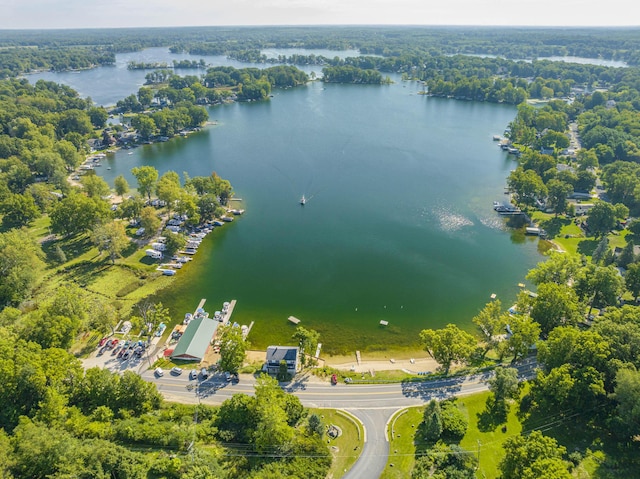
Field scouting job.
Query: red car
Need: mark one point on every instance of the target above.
(334, 379)
(102, 341)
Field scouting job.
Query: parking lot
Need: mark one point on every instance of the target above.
(127, 354)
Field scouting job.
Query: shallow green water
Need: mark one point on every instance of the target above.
(398, 226)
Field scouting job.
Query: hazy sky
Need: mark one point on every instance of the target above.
(144, 13)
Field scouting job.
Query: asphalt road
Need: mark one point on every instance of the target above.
(372, 404)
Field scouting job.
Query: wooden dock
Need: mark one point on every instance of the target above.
(318, 350)
(293, 319)
(244, 336)
(227, 315)
(383, 322)
(200, 305)
(358, 357)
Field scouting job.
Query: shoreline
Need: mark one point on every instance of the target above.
(412, 361)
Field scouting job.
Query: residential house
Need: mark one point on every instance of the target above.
(275, 354)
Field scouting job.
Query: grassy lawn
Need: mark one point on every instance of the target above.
(402, 444)
(347, 447)
(565, 233)
(485, 431)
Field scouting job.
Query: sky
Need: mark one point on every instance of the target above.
(38, 14)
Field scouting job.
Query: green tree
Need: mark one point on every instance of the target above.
(74, 121)
(77, 213)
(555, 305)
(308, 341)
(121, 185)
(174, 242)
(627, 256)
(131, 208)
(145, 96)
(149, 221)
(98, 116)
(315, 425)
(627, 395)
(504, 384)
(50, 331)
(432, 421)
(187, 206)
(524, 334)
(551, 468)
(599, 285)
(232, 348)
(527, 186)
(273, 432)
(168, 189)
(557, 195)
(603, 217)
(236, 419)
(18, 210)
(146, 176)
(559, 268)
(454, 421)
(632, 280)
(95, 186)
(448, 344)
(110, 238)
(209, 207)
(522, 452)
(444, 461)
(491, 321)
(20, 266)
(601, 252)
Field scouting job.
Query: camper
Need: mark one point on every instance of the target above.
(154, 254)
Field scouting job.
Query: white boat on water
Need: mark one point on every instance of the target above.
(303, 200)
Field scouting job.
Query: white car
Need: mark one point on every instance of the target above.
(159, 372)
(176, 371)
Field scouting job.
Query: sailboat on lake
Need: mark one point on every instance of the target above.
(303, 200)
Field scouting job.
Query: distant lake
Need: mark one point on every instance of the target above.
(567, 59)
(107, 85)
(398, 226)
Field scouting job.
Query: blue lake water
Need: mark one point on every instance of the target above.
(398, 226)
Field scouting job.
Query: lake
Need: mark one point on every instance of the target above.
(398, 225)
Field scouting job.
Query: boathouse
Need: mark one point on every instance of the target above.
(275, 354)
(195, 340)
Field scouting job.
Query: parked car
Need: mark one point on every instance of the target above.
(334, 379)
(193, 374)
(235, 378)
(227, 375)
(348, 380)
(102, 341)
(176, 371)
(204, 374)
(159, 372)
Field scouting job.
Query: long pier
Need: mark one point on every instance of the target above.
(227, 315)
(200, 305)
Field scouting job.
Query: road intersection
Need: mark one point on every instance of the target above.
(372, 404)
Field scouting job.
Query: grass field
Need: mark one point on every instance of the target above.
(347, 447)
(484, 437)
